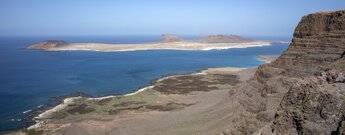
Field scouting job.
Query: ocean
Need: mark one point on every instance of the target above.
(30, 79)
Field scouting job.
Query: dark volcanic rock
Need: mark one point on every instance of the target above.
(225, 39)
(318, 41)
(308, 108)
(48, 44)
(303, 91)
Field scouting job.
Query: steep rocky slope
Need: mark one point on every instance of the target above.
(303, 91)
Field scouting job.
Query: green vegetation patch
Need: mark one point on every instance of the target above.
(104, 101)
(80, 109)
(148, 100)
(84, 108)
(168, 107)
(224, 79)
(185, 84)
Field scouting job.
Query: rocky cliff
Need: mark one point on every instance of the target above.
(303, 91)
(315, 104)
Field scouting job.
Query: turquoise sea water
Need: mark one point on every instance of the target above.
(32, 78)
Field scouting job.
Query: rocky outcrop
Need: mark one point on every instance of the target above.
(225, 39)
(303, 91)
(48, 44)
(168, 38)
(311, 108)
(318, 41)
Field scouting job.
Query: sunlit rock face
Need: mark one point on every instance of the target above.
(319, 40)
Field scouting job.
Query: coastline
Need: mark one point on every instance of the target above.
(267, 58)
(183, 46)
(39, 119)
(159, 105)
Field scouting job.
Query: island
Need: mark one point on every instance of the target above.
(169, 42)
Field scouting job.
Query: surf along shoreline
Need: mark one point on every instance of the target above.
(37, 116)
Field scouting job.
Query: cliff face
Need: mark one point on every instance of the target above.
(315, 104)
(303, 91)
(318, 41)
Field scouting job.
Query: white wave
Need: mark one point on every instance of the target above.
(27, 111)
(39, 106)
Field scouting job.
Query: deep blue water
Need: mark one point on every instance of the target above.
(29, 78)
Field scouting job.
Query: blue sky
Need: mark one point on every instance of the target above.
(155, 17)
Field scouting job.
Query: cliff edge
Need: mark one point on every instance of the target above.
(302, 91)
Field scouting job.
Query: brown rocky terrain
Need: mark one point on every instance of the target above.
(48, 44)
(303, 91)
(225, 39)
(167, 38)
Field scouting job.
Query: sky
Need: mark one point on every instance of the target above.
(155, 17)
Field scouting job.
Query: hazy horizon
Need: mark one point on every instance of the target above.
(153, 17)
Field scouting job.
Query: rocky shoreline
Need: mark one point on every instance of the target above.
(68, 100)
